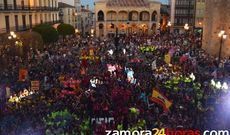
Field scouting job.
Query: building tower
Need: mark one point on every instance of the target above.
(77, 4)
(172, 11)
(217, 19)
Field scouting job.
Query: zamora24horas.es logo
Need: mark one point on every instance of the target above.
(164, 131)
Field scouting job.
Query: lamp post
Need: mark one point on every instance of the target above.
(217, 84)
(186, 27)
(222, 37)
(169, 27)
(116, 42)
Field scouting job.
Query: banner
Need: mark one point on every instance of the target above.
(167, 58)
(61, 78)
(100, 120)
(70, 84)
(35, 85)
(160, 99)
(91, 52)
(23, 73)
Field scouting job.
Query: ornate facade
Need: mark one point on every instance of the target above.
(20, 15)
(128, 16)
(217, 18)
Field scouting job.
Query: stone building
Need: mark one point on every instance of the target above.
(217, 18)
(86, 21)
(200, 10)
(128, 16)
(182, 12)
(77, 5)
(20, 15)
(67, 14)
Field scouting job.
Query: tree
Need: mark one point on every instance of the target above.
(48, 33)
(65, 29)
(29, 40)
(32, 40)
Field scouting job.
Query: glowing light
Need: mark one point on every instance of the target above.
(213, 83)
(225, 86)
(92, 31)
(76, 30)
(192, 76)
(12, 33)
(222, 34)
(169, 24)
(186, 27)
(9, 37)
(110, 52)
(124, 51)
(14, 36)
(218, 85)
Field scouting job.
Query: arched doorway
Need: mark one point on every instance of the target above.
(133, 16)
(111, 16)
(144, 16)
(101, 30)
(123, 16)
(100, 16)
(154, 16)
(111, 30)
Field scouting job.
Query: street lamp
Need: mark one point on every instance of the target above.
(192, 76)
(169, 26)
(12, 35)
(218, 85)
(222, 37)
(186, 27)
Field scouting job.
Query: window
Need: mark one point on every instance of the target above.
(154, 16)
(16, 22)
(100, 16)
(7, 22)
(30, 19)
(24, 22)
(15, 4)
(5, 4)
(22, 4)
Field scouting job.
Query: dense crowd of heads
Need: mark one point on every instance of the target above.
(114, 95)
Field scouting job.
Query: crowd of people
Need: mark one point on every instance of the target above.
(96, 78)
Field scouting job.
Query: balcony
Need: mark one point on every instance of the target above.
(111, 20)
(11, 8)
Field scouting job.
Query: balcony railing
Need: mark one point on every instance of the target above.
(11, 7)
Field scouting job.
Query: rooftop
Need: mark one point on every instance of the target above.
(126, 3)
(64, 5)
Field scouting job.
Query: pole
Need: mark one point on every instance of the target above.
(220, 50)
(116, 42)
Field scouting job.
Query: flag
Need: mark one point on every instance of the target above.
(23, 73)
(160, 99)
(167, 58)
